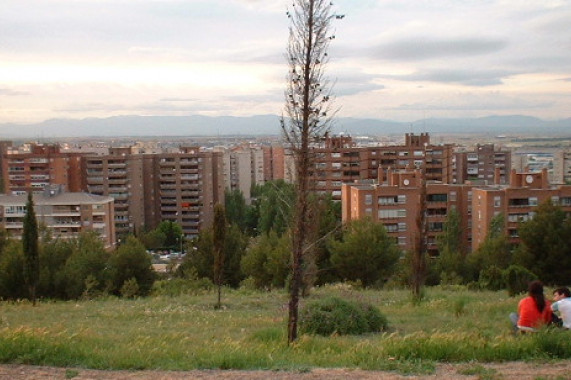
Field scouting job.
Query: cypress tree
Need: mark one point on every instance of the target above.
(30, 248)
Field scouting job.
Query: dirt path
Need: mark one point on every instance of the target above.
(503, 371)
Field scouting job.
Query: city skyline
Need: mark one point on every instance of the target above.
(399, 60)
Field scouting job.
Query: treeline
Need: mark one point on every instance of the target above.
(256, 253)
(76, 268)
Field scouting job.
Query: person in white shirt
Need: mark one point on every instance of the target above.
(562, 305)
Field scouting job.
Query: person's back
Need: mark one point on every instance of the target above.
(534, 310)
(562, 296)
(530, 316)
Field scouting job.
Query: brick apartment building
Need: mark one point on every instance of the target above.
(517, 202)
(40, 166)
(395, 203)
(148, 188)
(479, 164)
(338, 160)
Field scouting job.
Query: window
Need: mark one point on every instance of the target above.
(392, 227)
(418, 153)
(387, 214)
(369, 211)
(401, 199)
(435, 226)
(335, 155)
(368, 199)
(533, 201)
(555, 200)
(402, 227)
(497, 201)
(453, 196)
(437, 197)
(401, 240)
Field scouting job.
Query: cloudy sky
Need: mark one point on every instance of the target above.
(402, 60)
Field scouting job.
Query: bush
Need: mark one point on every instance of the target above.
(130, 288)
(179, 286)
(492, 278)
(517, 279)
(334, 315)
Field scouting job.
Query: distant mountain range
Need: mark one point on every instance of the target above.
(269, 125)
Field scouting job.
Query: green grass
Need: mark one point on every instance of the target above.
(249, 332)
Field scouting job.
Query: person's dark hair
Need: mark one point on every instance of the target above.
(536, 292)
(563, 290)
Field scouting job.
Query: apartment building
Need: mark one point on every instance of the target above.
(562, 167)
(396, 204)
(479, 164)
(517, 202)
(65, 214)
(339, 160)
(181, 186)
(38, 166)
(184, 187)
(119, 174)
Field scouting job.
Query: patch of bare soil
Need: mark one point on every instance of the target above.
(503, 371)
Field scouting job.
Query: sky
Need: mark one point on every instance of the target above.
(401, 60)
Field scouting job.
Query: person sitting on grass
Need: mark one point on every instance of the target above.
(534, 311)
(562, 305)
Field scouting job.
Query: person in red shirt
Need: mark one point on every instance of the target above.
(534, 310)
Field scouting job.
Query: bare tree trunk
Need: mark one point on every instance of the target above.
(419, 254)
(307, 107)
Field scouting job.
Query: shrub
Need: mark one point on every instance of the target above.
(179, 286)
(517, 279)
(130, 288)
(492, 278)
(334, 315)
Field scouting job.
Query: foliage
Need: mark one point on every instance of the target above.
(131, 261)
(451, 259)
(517, 279)
(334, 315)
(236, 208)
(130, 288)
(30, 249)
(53, 257)
(154, 239)
(365, 253)
(175, 287)
(546, 244)
(12, 271)
(266, 261)
(492, 278)
(495, 251)
(275, 200)
(88, 258)
(200, 258)
(172, 232)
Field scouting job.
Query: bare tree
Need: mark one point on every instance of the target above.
(307, 118)
(419, 253)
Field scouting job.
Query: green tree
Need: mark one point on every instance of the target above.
(235, 245)
(199, 259)
(154, 239)
(131, 261)
(365, 253)
(545, 247)
(31, 249)
(54, 254)
(12, 283)
(451, 259)
(267, 260)
(494, 252)
(274, 200)
(219, 237)
(88, 260)
(172, 232)
(236, 208)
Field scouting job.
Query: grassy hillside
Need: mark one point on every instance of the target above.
(185, 332)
